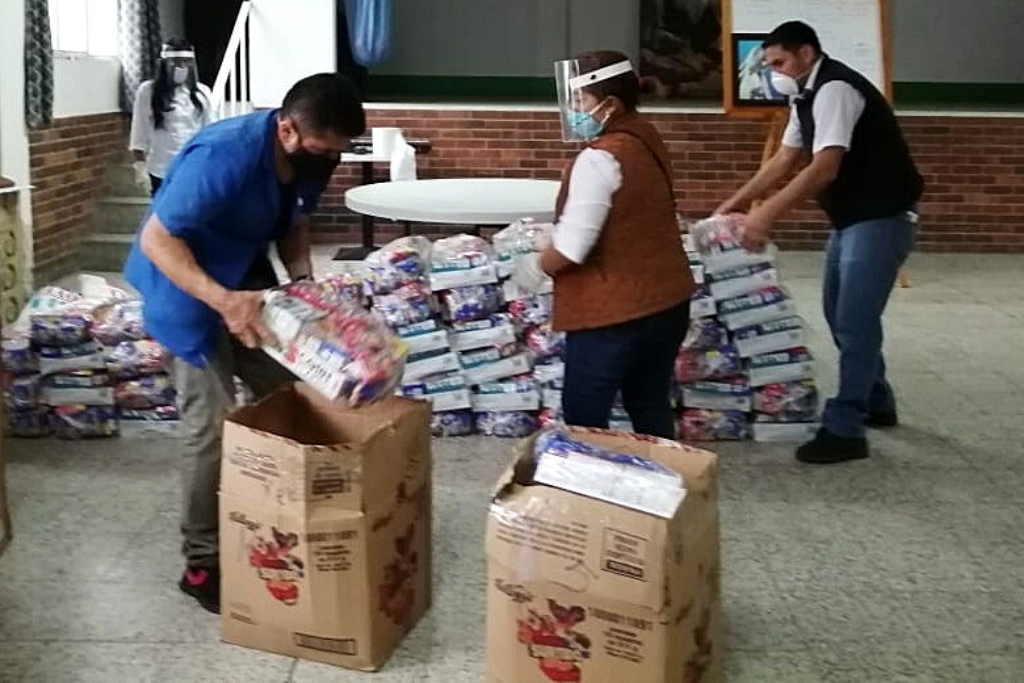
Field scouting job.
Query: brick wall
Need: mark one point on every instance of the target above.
(68, 164)
(974, 168)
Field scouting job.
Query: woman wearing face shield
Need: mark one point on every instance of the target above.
(168, 112)
(622, 282)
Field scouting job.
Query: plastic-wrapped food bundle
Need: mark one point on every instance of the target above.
(460, 252)
(80, 379)
(507, 424)
(545, 343)
(694, 365)
(409, 304)
(730, 394)
(44, 300)
(718, 233)
(401, 262)
(550, 417)
(343, 288)
(452, 423)
(532, 310)
(83, 422)
(522, 237)
(151, 391)
(21, 392)
(704, 334)
(620, 478)
(68, 326)
(788, 402)
(18, 356)
(86, 356)
(471, 302)
(714, 425)
(136, 358)
(28, 422)
(118, 322)
(340, 350)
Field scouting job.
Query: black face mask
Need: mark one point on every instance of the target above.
(315, 167)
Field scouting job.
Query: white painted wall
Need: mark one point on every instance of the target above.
(290, 40)
(14, 154)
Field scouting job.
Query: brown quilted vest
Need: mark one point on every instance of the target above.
(638, 266)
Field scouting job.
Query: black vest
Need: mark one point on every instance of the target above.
(877, 178)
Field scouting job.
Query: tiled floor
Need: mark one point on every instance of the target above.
(909, 566)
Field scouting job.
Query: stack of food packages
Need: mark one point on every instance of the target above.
(76, 363)
(744, 369)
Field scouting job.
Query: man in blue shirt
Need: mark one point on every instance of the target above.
(235, 188)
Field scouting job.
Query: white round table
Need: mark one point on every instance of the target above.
(457, 201)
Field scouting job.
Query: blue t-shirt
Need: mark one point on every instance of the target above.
(223, 197)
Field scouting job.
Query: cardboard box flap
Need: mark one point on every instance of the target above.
(296, 446)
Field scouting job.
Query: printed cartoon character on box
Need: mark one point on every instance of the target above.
(276, 566)
(551, 639)
(397, 592)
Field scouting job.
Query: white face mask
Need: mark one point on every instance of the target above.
(180, 75)
(785, 85)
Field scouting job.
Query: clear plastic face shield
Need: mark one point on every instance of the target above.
(580, 121)
(180, 64)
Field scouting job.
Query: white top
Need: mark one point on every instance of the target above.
(457, 201)
(180, 124)
(596, 177)
(837, 108)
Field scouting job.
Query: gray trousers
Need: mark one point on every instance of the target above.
(205, 396)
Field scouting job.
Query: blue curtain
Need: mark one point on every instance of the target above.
(369, 30)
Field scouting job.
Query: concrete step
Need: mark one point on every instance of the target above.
(105, 252)
(121, 181)
(120, 214)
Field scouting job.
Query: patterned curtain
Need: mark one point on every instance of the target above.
(138, 36)
(38, 64)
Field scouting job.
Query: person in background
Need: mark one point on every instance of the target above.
(864, 178)
(168, 111)
(236, 187)
(622, 281)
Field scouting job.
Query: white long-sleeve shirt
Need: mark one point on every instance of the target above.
(596, 177)
(160, 145)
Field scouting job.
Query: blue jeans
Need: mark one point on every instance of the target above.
(636, 358)
(860, 271)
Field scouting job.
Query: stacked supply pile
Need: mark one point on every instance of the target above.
(713, 389)
(766, 336)
(24, 414)
(76, 387)
(505, 396)
(139, 369)
(531, 314)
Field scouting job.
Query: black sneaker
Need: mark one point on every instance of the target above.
(827, 448)
(203, 584)
(881, 420)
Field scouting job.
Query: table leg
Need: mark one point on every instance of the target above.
(361, 252)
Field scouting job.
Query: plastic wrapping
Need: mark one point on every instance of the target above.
(545, 343)
(21, 392)
(18, 356)
(135, 358)
(168, 413)
(717, 234)
(788, 402)
(84, 422)
(408, 305)
(69, 326)
(118, 322)
(507, 424)
(532, 310)
(151, 391)
(343, 288)
(28, 422)
(398, 263)
(714, 425)
(694, 365)
(461, 252)
(81, 379)
(550, 417)
(705, 334)
(87, 356)
(341, 351)
(474, 302)
(452, 423)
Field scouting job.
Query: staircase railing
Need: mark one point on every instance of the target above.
(231, 91)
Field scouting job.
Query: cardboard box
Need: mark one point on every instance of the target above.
(584, 590)
(325, 526)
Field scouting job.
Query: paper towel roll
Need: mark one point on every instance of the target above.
(384, 141)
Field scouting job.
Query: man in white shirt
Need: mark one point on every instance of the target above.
(864, 179)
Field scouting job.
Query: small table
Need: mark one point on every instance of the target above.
(457, 201)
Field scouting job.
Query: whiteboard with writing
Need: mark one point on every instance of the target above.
(849, 30)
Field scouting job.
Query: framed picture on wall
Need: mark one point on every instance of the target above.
(752, 79)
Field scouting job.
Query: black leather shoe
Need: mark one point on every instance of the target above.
(827, 448)
(881, 420)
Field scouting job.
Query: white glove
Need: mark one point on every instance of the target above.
(527, 273)
(142, 176)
